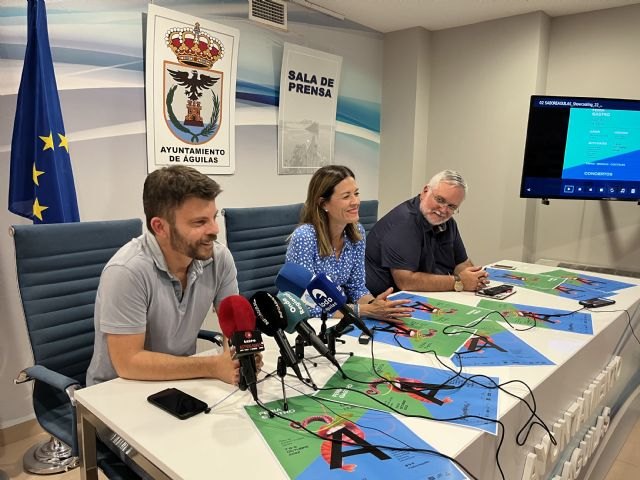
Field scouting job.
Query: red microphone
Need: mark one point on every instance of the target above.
(238, 324)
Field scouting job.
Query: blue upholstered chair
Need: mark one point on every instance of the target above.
(257, 239)
(58, 268)
(368, 214)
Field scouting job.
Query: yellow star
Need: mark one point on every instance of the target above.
(48, 142)
(63, 142)
(38, 209)
(36, 174)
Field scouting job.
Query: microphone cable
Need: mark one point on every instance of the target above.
(534, 418)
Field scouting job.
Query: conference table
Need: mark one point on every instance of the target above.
(226, 444)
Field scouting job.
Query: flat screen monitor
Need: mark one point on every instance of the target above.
(582, 148)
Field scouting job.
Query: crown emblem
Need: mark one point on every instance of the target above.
(193, 47)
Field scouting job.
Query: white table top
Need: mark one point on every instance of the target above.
(223, 441)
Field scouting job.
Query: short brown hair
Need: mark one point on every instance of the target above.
(166, 189)
(321, 187)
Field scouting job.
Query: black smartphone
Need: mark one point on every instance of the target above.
(177, 403)
(596, 302)
(499, 292)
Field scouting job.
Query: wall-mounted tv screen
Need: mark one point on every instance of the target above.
(582, 148)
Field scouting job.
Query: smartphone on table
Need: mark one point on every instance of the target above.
(596, 302)
(498, 292)
(177, 403)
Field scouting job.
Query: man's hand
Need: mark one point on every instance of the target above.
(228, 368)
(473, 278)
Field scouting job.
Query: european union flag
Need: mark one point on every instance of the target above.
(41, 180)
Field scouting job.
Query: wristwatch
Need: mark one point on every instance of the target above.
(457, 284)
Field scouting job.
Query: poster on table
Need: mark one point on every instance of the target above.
(432, 327)
(541, 317)
(496, 346)
(590, 281)
(346, 442)
(190, 88)
(417, 390)
(309, 85)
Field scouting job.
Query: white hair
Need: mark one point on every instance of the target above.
(448, 176)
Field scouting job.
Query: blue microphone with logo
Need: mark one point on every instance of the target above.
(327, 296)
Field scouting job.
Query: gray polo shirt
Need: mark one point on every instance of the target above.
(137, 294)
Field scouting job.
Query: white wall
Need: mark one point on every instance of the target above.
(404, 118)
(593, 54)
(480, 78)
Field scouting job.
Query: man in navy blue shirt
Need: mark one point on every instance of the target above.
(417, 245)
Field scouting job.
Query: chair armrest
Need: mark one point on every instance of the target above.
(215, 337)
(43, 374)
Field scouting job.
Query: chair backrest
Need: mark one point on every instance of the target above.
(58, 268)
(257, 239)
(368, 214)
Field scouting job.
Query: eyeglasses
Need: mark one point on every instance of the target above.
(443, 203)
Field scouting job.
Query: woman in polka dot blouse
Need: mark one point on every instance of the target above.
(330, 240)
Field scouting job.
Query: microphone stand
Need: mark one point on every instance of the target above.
(282, 372)
(326, 337)
(299, 350)
(329, 336)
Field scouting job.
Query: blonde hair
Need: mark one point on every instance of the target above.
(321, 187)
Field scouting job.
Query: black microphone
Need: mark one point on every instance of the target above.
(271, 320)
(297, 315)
(327, 296)
(238, 323)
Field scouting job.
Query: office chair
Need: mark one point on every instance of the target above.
(368, 214)
(257, 239)
(58, 268)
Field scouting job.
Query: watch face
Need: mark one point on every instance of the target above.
(458, 286)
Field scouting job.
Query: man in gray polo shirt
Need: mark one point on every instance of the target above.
(156, 290)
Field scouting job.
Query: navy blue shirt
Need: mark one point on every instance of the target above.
(403, 239)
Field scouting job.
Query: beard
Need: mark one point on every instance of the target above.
(433, 216)
(199, 250)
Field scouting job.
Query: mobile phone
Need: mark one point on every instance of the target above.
(596, 302)
(503, 266)
(499, 291)
(177, 403)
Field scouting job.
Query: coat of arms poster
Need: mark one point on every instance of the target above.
(190, 92)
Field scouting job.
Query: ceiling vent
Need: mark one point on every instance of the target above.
(269, 12)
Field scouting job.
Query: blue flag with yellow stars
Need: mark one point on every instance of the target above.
(41, 180)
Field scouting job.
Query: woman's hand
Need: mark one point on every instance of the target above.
(383, 309)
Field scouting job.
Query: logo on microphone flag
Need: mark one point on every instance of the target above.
(41, 185)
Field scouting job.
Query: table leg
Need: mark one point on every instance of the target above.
(87, 442)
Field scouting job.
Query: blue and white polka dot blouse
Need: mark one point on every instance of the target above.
(347, 271)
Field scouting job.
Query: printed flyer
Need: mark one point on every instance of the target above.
(415, 390)
(349, 443)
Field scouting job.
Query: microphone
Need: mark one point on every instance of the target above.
(271, 320)
(297, 279)
(293, 278)
(238, 323)
(297, 315)
(327, 296)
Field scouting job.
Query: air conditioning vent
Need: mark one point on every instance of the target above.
(269, 12)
